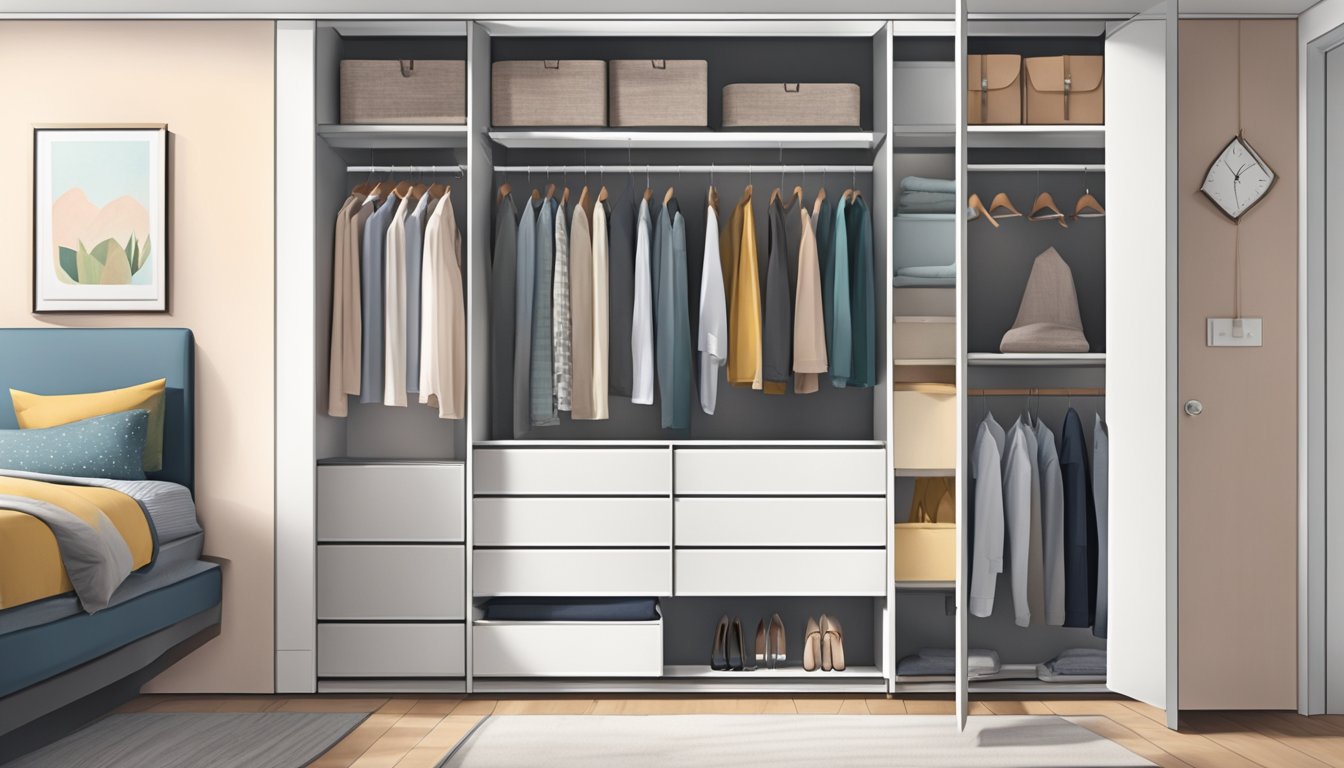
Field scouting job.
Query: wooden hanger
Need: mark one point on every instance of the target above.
(1046, 202)
(1001, 200)
(437, 190)
(712, 198)
(418, 189)
(380, 190)
(602, 195)
(564, 197)
(648, 194)
(667, 198)
(978, 207)
(774, 195)
(583, 200)
(536, 195)
(362, 189)
(402, 189)
(846, 194)
(504, 190)
(1085, 203)
(798, 193)
(746, 193)
(550, 191)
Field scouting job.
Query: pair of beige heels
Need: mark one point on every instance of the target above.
(824, 645)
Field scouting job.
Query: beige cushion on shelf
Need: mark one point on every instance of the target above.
(1048, 319)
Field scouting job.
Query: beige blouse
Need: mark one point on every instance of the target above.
(581, 311)
(343, 365)
(443, 319)
(809, 328)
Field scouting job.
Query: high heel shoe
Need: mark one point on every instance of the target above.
(770, 652)
(812, 645)
(737, 648)
(718, 655)
(832, 645)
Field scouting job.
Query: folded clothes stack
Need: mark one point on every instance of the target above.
(1086, 662)
(925, 277)
(942, 662)
(921, 195)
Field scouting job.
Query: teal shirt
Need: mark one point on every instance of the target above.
(862, 312)
(839, 336)
(672, 319)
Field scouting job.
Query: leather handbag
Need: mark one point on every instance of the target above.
(1065, 90)
(994, 89)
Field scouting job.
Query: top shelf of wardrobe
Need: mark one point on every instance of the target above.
(394, 136)
(944, 136)
(618, 139)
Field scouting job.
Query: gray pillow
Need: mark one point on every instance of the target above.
(110, 447)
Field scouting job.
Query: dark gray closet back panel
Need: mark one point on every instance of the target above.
(731, 60)
(1038, 46)
(741, 413)
(924, 49)
(1000, 260)
(404, 48)
(922, 621)
(689, 623)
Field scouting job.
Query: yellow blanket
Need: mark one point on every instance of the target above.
(30, 562)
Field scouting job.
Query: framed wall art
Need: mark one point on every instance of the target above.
(100, 218)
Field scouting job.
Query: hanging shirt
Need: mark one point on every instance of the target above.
(777, 326)
(561, 339)
(1101, 487)
(415, 251)
(371, 297)
(744, 318)
(672, 321)
(623, 223)
(712, 340)
(343, 363)
(394, 306)
(581, 307)
(601, 309)
(862, 306)
(641, 325)
(987, 560)
(503, 270)
(1052, 524)
(443, 338)
(809, 329)
(839, 336)
(541, 365)
(526, 256)
(1021, 503)
(1035, 549)
(1080, 527)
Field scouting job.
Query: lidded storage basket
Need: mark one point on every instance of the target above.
(659, 92)
(406, 91)
(791, 105)
(548, 93)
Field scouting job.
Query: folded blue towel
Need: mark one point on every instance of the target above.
(942, 270)
(921, 184)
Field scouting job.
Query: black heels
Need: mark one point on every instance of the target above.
(770, 650)
(729, 653)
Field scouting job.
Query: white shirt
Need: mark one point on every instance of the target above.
(713, 341)
(394, 307)
(641, 326)
(443, 348)
(987, 560)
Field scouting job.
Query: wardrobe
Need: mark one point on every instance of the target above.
(398, 527)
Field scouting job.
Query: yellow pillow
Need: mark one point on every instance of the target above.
(41, 411)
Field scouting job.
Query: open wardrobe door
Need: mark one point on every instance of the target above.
(962, 638)
(1141, 359)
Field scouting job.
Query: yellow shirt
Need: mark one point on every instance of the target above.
(744, 312)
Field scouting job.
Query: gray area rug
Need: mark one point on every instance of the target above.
(197, 740)
(786, 741)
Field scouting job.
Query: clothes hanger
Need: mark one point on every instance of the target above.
(977, 206)
(667, 198)
(550, 191)
(1088, 202)
(504, 189)
(602, 195)
(648, 184)
(564, 197)
(439, 189)
(1002, 200)
(1046, 202)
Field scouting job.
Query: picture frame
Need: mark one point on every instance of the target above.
(100, 218)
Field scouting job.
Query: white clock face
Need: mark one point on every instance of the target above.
(1238, 179)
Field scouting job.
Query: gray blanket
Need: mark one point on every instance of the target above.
(96, 558)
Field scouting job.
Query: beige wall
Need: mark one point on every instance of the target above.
(1238, 470)
(213, 84)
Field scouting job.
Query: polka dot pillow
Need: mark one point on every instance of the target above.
(109, 447)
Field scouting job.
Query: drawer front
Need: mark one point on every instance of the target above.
(924, 430)
(391, 650)
(569, 522)
(390, 582)
(782, 472)
(814, 522)
(924, 340)
(556, 649)
(573, 471)
(924, 301)
(573, 572)
(791, 572)
(391, 502)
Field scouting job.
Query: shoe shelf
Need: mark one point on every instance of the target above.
(698, 671)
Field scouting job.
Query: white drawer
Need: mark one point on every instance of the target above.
(570, 521)
(573, 471)
(924, 428)
(567, 649)
(391, 502)
(815, 522)
(390, 582)
(391, 650)
(781, 472)
(781, 572)
(924, 301)
(573, 572)
(924, 338)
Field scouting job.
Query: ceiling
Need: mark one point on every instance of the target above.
(1236, 7)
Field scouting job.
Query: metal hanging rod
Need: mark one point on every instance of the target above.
(1033, 168)
(1039, 392)
(405, 169)
(619, 169)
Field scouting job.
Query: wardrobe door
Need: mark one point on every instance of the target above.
(1140, 370)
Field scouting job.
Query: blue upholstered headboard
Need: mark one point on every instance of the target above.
(66, 361)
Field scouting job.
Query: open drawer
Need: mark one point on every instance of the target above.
(567, 649)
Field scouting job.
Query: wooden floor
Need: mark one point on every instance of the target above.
(418, 732)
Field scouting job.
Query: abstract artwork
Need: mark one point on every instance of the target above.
(100, 219)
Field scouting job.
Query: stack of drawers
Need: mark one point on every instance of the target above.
(391, 570)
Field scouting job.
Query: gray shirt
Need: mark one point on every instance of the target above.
(542, 364)
(371, 253)
(672, 320)
(1101, 450)
(1052, 524)
(1021, 501)
(526, 255)
(987, 561)
(502, 277)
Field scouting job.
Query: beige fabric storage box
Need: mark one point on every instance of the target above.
(548, 93)
(658, 92)
(924, 301)
(924, 425)
(994, 89)
(416, 91)
(924, 338)
(925, 552)
(791, 105)
(1064, 90)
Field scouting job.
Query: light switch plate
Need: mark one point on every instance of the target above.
(1221, 332)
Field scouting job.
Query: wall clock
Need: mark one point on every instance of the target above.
(1238, 179)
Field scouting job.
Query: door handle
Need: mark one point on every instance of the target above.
(1193, 407)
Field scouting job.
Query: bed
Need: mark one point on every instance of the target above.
(61, 666)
